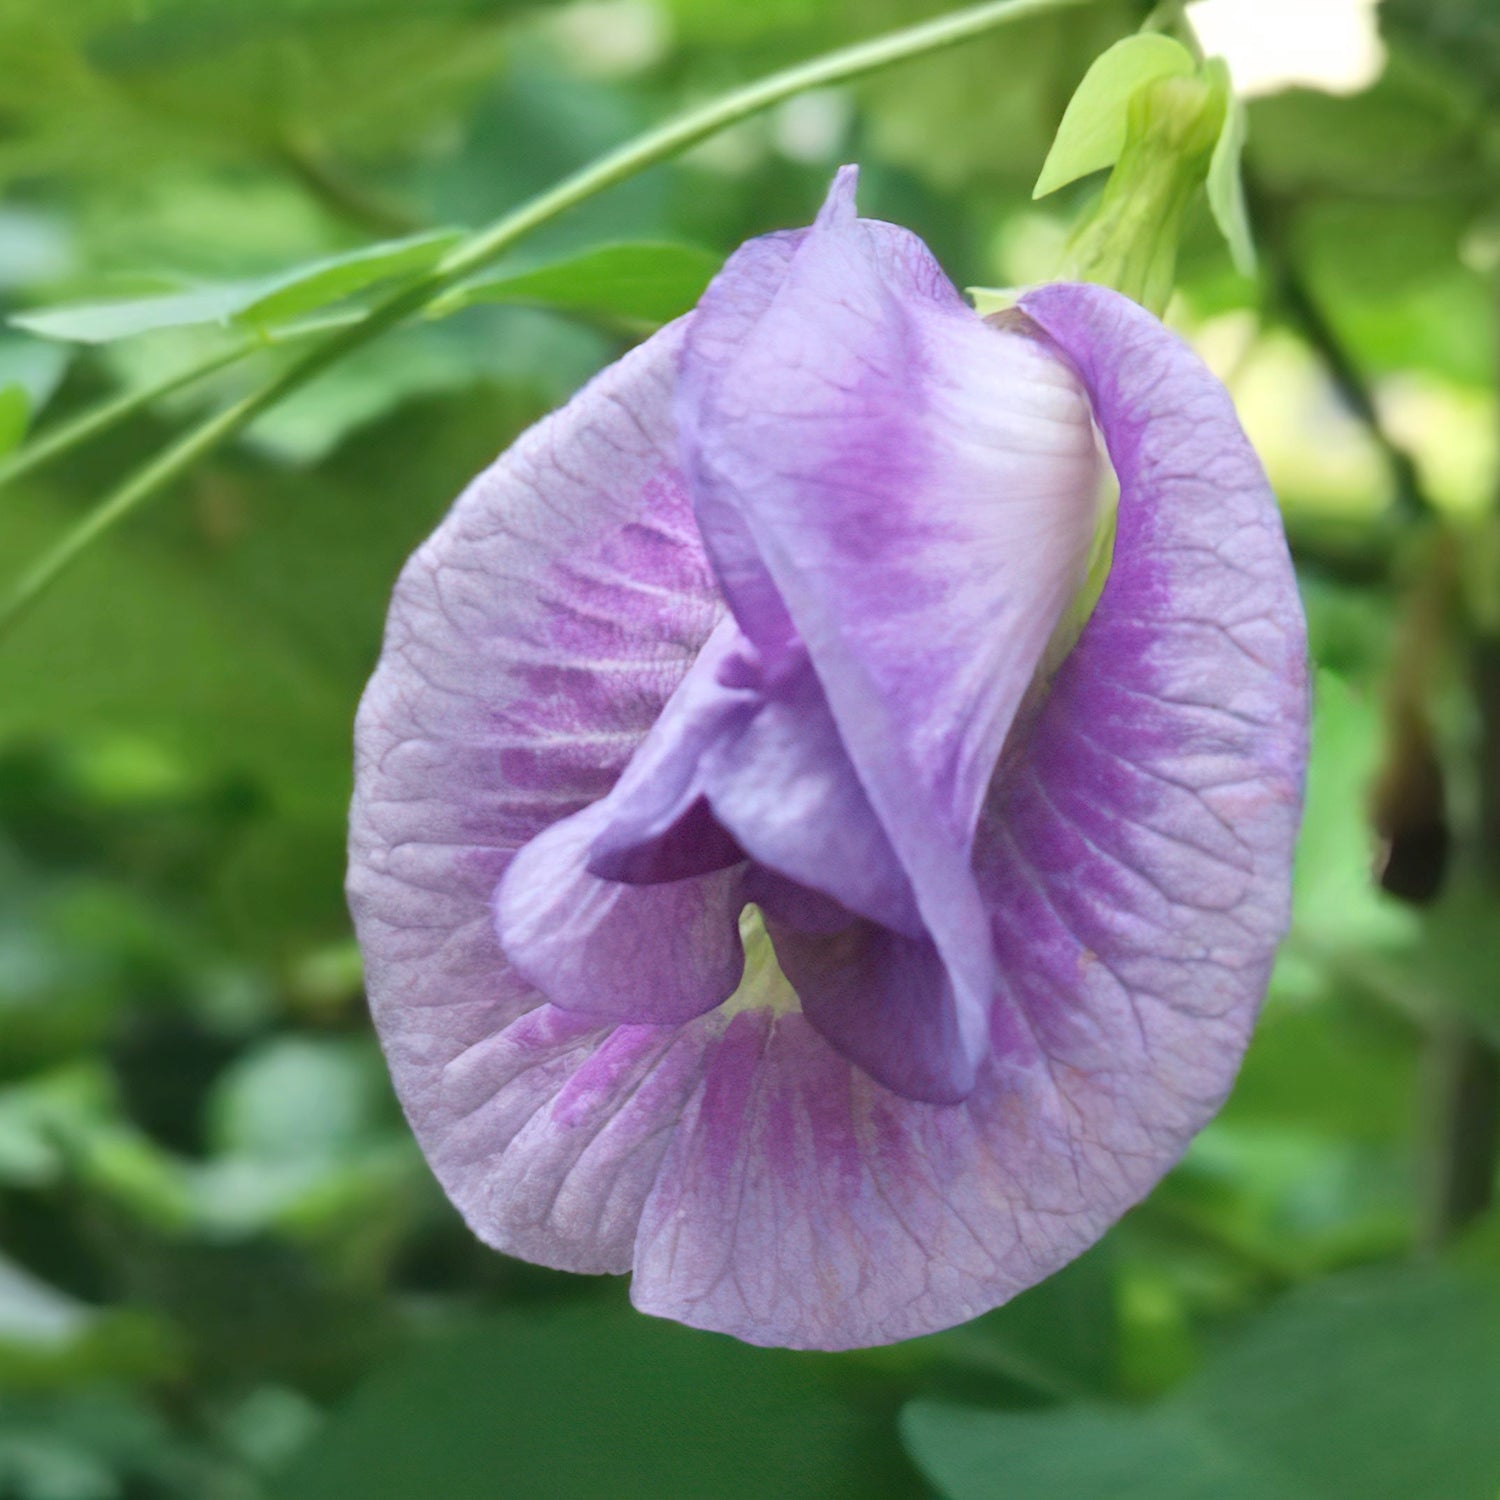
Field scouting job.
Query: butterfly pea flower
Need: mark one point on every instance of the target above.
(765, 885)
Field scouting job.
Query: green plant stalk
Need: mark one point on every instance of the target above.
(68, 435)
(1462, 1088)
(614, 167)
(1463, 1059)
(1170, 17)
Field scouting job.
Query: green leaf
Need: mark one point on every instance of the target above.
(654, 1410)
(299, 1098)
(649, 282)
(1092, 133)
(1226, 189)
(40, 1117)
(1377, 1384)
(260, 303)
(1330, 1070)
(316, 285)
(104, 322)
(15, 412)
(32, 1312)
(1058, 1338)
(48, 1337)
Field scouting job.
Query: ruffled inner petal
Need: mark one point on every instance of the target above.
(898, 501)
(656, 825)
(658, 954)
(739, 767)
(884, 1001)
(756, 272)
(920, 490)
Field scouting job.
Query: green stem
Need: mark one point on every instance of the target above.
(1462, 1061)
(339, 194)
(68, 435)
(1301, 309)
(1463, 1100)
(677, 135)
(614, 167)
(1170, 17)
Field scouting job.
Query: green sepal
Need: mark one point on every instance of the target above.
(1093, 129)
(1129, 240)
(1226, 189)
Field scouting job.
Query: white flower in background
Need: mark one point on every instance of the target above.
(1332, 45)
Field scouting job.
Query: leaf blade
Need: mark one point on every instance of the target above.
(107, 322)
(15, 413)
(1368, 1383)
(258, 304)
(308, 288)
(661, 1406)
(648, 281)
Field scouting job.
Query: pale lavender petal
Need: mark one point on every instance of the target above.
(1135, 856)
(532, 642)
(657, 824)
(738, 767)
(660, 953)
(787, 790)
(744, 290)
(1141, 837)
(920, 489)
(802, 1204)
(555, 1131)
(884, 1000)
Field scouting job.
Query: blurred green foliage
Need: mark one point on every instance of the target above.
(224, 1271)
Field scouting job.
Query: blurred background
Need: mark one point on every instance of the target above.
(224, 1270)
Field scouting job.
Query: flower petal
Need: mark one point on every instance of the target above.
(557, 1130)
(884, 1000)
(802, 1204)
(741, 295)
(919, 490)
(659, 954)
(531, 644)
(1137, 848)
(657, 824)
(736, 768)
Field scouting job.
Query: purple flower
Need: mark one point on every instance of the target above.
(750, 897)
